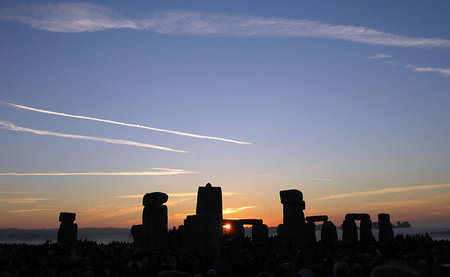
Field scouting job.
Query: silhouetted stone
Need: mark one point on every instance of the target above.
(154, 219)
(365, 231)
(158, 227)
(280, 230)
(202, 235)
(67, 217)
(293, 216)
(355, 216)
(68, 231)
(154, 198)
(204, 230)
(291, 196)
(209, 201)
(316, 218)
(138, 233)
(260, 232)
(310, 232)
(349, 231)
(328, 233)
(385, 233)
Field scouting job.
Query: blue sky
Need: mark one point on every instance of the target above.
(347, 97)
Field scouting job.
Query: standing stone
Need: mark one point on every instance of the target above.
(68, 231)
(209, 201)
(310, 232)
(260, 232)
(138, 233)
(204, 231)
(293, 216)
(365, 231)
(349, 231)
(386, 233)
(154, 219)
(329, 232)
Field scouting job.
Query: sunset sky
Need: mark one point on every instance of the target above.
(103, 101)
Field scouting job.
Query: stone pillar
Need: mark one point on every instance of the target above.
(204, 231)
(365, 230)
(260, 232)
(293, 216)
(328, 233)
(349, 231)
(310, 232)
(138, 233)
(386, 233)
(68, 231)
(154, 219)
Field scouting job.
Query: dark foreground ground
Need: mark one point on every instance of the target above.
(239, 257)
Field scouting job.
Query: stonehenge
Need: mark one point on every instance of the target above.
(68, 231)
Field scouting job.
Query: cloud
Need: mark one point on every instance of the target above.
(12, 127)
(122, 123)
(380, 56)
(235, 210)
(120, 173)
(383, 191)
(22, 200)
(400, 203)
(416, 68)
(84, 17)
(31, 210)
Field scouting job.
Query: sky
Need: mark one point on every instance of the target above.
(104, 101)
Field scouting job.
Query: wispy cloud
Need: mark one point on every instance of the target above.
(12, 127)
(420, 69)
(22, 200)
(235, 210)
(120, 173)
(380, 56)
(31, 210)
(383, 191)
(400, 203)
(122, 123)
(84, 17)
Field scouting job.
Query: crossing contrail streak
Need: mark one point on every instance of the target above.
(122, 123)
(12, 127)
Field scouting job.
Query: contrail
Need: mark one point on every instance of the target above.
(123, 173)
(383, 191)
(121, 123)
(12, 127)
